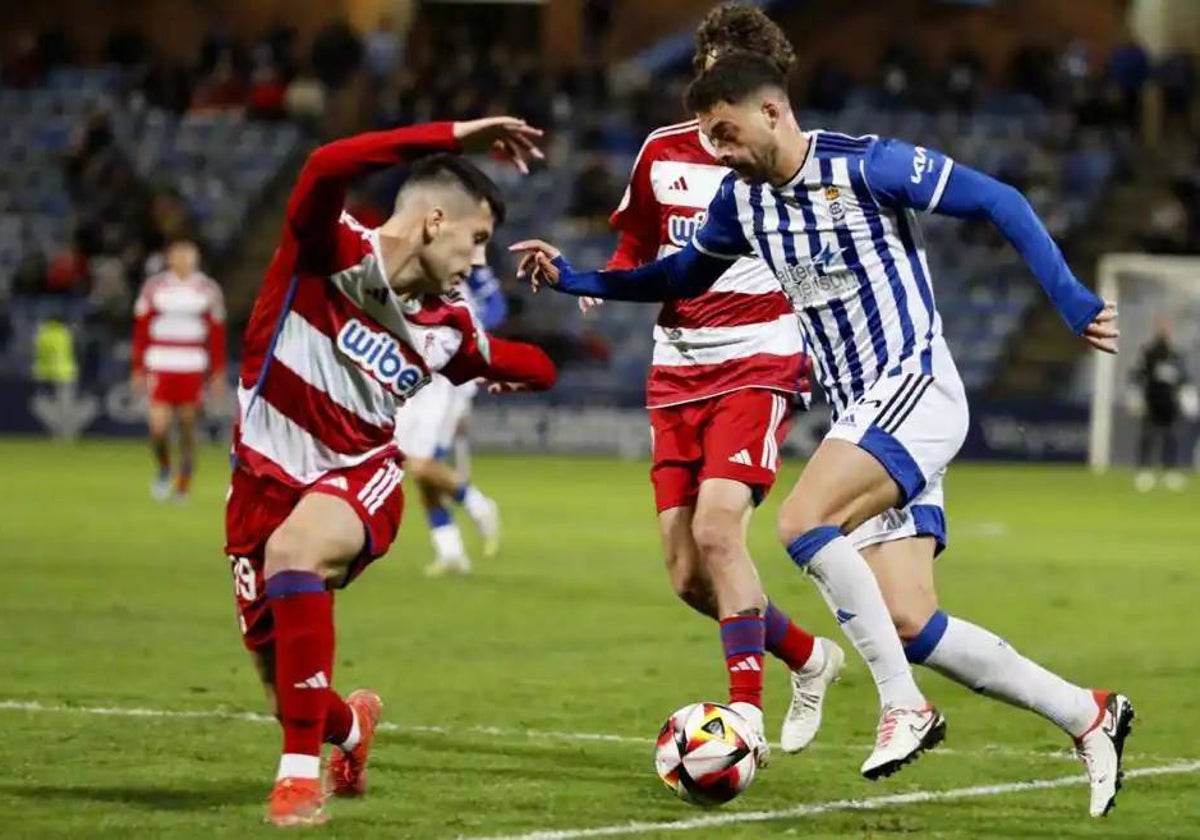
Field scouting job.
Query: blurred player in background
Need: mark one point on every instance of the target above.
(833, 216)
(1162, 396)
(727, 368)
(426, 431)
(178, 348)
(350, 323)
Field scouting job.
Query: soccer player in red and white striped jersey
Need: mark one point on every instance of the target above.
(727, 367)
(350, 323)
(178, 347)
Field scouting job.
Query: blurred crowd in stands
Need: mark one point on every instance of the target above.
(161, 148)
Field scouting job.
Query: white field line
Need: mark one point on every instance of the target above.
(515, 734)
(872, 803)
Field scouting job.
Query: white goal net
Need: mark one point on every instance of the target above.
(1146, 289)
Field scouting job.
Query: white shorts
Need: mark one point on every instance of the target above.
(427, 419)
(924, 517)
(914, 424)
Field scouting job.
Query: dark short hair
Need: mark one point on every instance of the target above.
(740, 26)
(456, 172)
(734, 77)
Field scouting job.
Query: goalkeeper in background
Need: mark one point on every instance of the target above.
(1161, 394)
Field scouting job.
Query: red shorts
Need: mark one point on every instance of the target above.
(176, 388)
(257, 507)
(735, 435)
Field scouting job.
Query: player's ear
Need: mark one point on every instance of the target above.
(772, 112)
(435, 218)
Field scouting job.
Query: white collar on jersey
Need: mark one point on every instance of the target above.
(705, 143)
(809, 168)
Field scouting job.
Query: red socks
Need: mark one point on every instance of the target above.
(743, 636)
(786, 641)
(339, 719)
(303, 613)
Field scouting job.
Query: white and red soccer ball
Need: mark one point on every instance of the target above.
(704, 754)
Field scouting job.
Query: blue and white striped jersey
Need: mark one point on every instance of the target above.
(843, 239)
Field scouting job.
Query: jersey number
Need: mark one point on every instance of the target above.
(245, 582)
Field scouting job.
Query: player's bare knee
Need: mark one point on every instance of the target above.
(909, 616)
(718, 536)
(288, 551)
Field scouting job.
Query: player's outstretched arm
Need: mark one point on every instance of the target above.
(684, 274)
(925, 179)
(319, 195)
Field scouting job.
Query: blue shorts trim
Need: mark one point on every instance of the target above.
(930, 521)
(896, 460)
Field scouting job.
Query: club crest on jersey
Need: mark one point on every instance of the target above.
(380, 355)
(837, 210)
(681, 229)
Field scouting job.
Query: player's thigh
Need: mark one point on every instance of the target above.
(159, 415)
(323, 534)
(842, 485)
(904, 569)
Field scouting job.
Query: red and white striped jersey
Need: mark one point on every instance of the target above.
(331, 351)
(179, 325)
(743, 332)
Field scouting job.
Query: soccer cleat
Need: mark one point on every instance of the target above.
(902, 736)
(803, 717)
(1175, 481)
(296, 802)
(346, 774)
(1100, 750)
(443, 566)
(160, 488)
(758, 740)
(1144, 481)
(488, 523)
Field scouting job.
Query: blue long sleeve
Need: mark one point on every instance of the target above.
(684, 274)
(971, 194)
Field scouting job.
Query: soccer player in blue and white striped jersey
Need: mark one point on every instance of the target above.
(835, 219)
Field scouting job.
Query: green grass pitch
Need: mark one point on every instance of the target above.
(494, 683)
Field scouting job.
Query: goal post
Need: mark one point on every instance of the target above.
(1145, 287)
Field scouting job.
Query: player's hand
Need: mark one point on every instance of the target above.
(1102, 333)
(587, 304)
(506, 387)
(536, 265)
(505, 138)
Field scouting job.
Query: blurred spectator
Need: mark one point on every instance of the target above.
(304, 100)
(595, 193)
(221, 90)
(383, 52)
(828, 87)
(27, 67)
(1031, 71)
(267, 92)
(1127, 73)
(963, 74)
(68, 273)
(1165, 227)
(336, 54)
(1177, 79)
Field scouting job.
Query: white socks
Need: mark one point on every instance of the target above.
(845, 580)
(476, 504)
(447, 541)
(297, 766)
(982, 661)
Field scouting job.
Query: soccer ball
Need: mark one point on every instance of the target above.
(704, 754)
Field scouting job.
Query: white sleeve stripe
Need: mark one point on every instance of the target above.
(719, 256)
(941, 186)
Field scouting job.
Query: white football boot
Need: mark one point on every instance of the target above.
(453, 564)
(803, 717)
(902, 736)
(160, 488)
(758, 739)
(487, 520)
(1100, 751)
